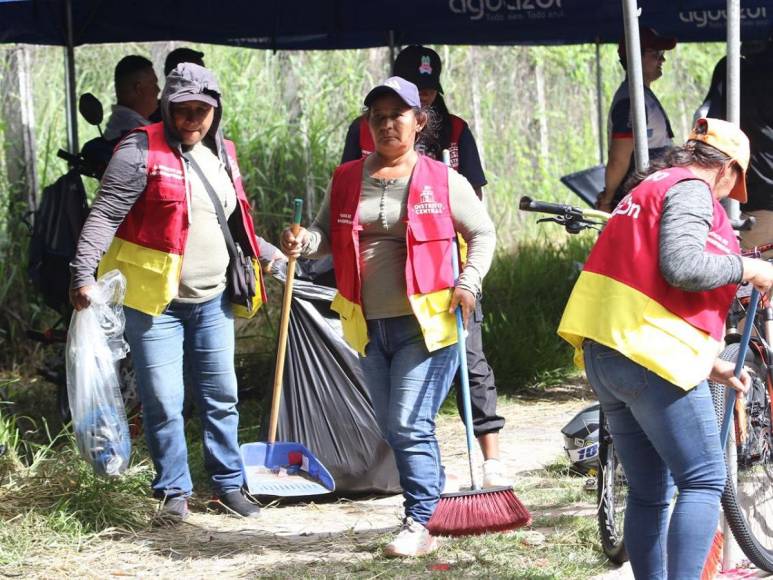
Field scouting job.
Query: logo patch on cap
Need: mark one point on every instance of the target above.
(425, 68)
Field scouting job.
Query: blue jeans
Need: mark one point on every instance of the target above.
(407, 384)
(666, 438)
(204, 334)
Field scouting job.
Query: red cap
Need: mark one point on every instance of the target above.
(648, 39)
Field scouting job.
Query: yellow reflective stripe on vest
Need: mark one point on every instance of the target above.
(622, 318)
(353, 322)
(437, 325)
(431, 310)
(152, 276)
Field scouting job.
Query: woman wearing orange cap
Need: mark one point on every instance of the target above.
(646, 318)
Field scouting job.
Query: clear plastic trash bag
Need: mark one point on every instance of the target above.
(95, 345)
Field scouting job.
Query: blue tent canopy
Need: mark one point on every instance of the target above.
(341, 24)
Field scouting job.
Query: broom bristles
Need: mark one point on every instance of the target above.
(478, 512)
(714, 558)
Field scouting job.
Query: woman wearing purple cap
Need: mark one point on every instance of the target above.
(390, 220)
(422, 66)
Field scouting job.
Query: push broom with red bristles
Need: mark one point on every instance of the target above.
(478, 511)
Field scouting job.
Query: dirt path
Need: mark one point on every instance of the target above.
(209, 545)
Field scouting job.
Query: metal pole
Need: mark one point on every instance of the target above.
(69, 82)
(731, 552)
(635, 84)
(733, 81)
(599, 102)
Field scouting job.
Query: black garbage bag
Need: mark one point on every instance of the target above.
(324, 402)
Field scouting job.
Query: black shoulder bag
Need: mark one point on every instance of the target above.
(240, 274)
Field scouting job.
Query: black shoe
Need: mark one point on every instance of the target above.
(235, 503)
(172, 511)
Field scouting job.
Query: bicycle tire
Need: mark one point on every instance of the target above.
(754, 462)
(611, 491)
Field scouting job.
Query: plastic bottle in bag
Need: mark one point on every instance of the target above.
(95, 345)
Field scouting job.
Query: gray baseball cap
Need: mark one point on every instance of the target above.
(406, 90)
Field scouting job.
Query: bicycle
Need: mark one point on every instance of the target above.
(753, 457)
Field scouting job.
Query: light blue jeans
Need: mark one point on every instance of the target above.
(204, 334)
(407, 384)
(666, 438)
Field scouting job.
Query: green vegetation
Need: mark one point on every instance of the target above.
(48, 495)
(524, 297)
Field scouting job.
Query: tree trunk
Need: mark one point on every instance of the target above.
(539, 78)
(477, 118)
(19, 139)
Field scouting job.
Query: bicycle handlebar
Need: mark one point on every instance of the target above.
(529, 204)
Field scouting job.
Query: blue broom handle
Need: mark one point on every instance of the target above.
(743, 347)
(461, 348)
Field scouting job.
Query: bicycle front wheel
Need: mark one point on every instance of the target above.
(611, 493)
(748, 506)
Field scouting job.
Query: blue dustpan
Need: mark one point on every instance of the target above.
(283, 469)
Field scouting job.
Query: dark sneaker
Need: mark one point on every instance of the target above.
(235, 503)
(172, 511)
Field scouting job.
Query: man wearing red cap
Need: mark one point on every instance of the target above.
(620, 125)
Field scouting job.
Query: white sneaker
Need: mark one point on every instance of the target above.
(413, 540)
(494, 474)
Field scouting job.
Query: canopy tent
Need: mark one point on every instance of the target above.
(346, 24)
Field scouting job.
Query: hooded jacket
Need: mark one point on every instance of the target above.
(123, 205)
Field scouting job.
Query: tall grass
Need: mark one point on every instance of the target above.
(47, 493)
(524, 296)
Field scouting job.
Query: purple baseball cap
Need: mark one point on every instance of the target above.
(406, 90)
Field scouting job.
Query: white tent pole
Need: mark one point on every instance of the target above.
(635, 84)
(69, 82)
(731, 552)
(733, 80)
(599, 102)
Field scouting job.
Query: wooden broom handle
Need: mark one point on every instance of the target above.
(284, 323)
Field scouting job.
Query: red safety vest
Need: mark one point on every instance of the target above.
(622, 300)
(367, 146)
(149, 245)
(429, 239)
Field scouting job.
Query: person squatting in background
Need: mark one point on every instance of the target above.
(422, 66)
(388, 219)
(647, 321)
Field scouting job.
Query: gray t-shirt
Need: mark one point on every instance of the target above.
(206, 256)
(382, 214)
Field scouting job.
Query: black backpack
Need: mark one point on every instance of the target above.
(57, 226)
